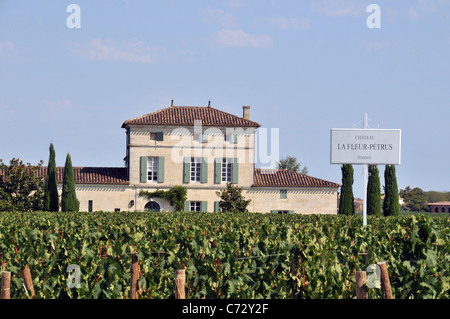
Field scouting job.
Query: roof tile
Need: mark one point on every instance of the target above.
(287, 178)
(187, 115)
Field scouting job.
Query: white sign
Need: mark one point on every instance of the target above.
(365, 146)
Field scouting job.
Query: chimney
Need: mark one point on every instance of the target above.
(246, 112)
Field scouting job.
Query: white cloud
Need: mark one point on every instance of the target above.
(7, 46)
(284, 23)
(224, 19)
(128, 51)
(240, 39)
(62, 104)
(235, 3)
(342, 8)
(373, 46)
(422, 7)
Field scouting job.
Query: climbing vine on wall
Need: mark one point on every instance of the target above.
(177, 195)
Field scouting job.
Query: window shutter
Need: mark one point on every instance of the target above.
(235, 138)
(217, 170)
(291, 212)
(283, 194)
(204, 176)
(204, 206)
(161, 169)
(204, 138)
(273, 211)
(216, 206)
(187, 205)
(235, 178)
(144, 169)
(159, 136)
(187, 170)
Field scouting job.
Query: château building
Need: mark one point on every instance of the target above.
(201, 148)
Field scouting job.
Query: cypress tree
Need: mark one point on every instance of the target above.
(51, 198)
(373, 192)
(347, 203)
(69, 201)
(391, 206)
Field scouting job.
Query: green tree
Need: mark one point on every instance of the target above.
(232, 199)
(373, 191)
(69, 200)
(347, 200)
(391, 205)
(20, 186)
(290, 163)
(51, 197)
(415, 199)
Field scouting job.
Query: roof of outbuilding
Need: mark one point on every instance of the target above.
(187, 115)
(91, 175)
(287, 178)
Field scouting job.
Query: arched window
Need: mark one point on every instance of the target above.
(443, 209)
(436, 210)
(152, 206)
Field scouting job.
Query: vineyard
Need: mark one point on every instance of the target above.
(224, 255)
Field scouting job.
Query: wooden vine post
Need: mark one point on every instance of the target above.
(135, 271)
(27, 281)
(385, 283)
(6, 284)
(180, 284)
(361, 279)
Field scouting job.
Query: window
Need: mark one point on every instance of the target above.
(152, 169)
(230, 138)
(196, 169)
(227, 170)
(282, 212)
(283, 193)
(117, 210)
(196, 206)
(90, 206)
(156, 136)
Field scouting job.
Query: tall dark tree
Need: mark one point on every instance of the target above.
(373, 191)
(347, 200)
(69, 200)
(51, 198)
(391, 205)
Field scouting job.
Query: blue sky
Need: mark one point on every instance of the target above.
(304, 67)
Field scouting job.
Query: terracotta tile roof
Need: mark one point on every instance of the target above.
(286, 178)
(92, 175)
(186, 115)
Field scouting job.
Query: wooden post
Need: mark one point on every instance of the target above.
(361, 292)
(6, 283)
(180, 284)
(27, 280)
(385, 283)
(135, 271)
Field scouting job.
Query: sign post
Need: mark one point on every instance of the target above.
(365, 147)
